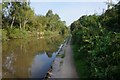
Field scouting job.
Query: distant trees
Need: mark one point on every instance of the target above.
(49, 13)
(54, 22)
(20, 16)
(13, 12)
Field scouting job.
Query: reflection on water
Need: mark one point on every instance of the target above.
(41, 65)
(28, 58)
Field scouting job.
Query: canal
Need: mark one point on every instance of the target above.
(29, 58)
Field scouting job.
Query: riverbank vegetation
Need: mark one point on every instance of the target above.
(96, 44)
(20, 21)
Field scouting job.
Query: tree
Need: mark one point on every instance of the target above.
(49, 13)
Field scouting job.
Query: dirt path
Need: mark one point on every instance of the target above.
(68, 69)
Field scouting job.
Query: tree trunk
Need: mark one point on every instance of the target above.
(12, 22)
(20, 26)
(24, 24)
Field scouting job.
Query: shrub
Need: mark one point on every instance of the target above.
(16, 33)
(99, 49)
(3, 36)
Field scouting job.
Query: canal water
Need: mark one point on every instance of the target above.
(29, 58)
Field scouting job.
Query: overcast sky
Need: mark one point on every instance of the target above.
(69, 11)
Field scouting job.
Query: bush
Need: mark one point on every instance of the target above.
(3, 36)
(48, 33)
(16, 33)
(98, 49)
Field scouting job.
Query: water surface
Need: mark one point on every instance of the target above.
(28, 58)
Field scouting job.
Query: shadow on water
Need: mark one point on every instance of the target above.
(29, 58)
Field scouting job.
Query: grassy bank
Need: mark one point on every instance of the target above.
(80, 63)
(13, 34)
(7, 34)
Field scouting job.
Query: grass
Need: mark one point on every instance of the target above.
(80, 63)
(82, 68)
(61, 55)
(3, 35)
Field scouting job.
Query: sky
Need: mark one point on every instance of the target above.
(69, 11)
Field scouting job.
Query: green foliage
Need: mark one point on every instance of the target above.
(16, 33)
(48, 33)
(61, 55)
(111, 18)
(97, 48)
(18, 18)
(80, 62)
(4, 34)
